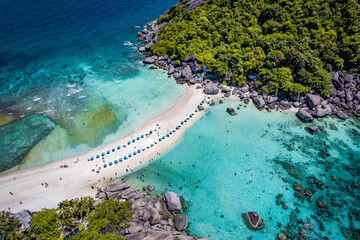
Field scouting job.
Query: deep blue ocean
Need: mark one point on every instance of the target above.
(70, 80)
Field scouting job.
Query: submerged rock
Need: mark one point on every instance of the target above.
(297, 187)
(19, 137)
(150, 188)
(341, 115)
(253, 221)
(231, 111)
(312, 129)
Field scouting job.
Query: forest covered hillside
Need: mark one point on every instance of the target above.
(292, 46)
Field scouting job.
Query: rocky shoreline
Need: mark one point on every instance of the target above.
(154, 217)
(343, 102)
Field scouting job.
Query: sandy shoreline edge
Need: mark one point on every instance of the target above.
(78, 179)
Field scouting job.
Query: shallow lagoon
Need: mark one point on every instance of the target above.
(227, 165)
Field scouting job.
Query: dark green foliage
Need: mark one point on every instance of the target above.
(108, 218)
(8, 223)
(295, 42)
(104, 220)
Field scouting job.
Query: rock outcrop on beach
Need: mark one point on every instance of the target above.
(153, 217)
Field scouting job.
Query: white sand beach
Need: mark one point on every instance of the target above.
(45, 186)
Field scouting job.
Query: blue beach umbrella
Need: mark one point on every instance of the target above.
(208, 102)
(105, 165)
(97, 156)
(142, 136)
(159, 139)
(120, 159)
(129, 142)
(196, 110)
(150, 131)
(163, 137)
(177, 127)
(125, 157)
(110, 163)
(91, 158)
(167, 135)
(190, 115)
(139, 151)
(137, 138)
(171, 132)
(182, 122)
(118, 147)
(116, 161)
(134, 153)
(185, 120)
(202, 101)
(133, 140)
(102, 154)
(129, 155)
(108, 152)
(113, 149)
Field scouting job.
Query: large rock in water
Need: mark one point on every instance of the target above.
(211, 89)
(253, 221)
(180, 222)
(149, 60)
(172, 201)
(231, 111)
(304, 116)
(19, 137)
(116, 187)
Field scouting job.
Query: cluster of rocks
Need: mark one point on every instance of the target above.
(153, 217)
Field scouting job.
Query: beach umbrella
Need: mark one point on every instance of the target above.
(134, 153)
(190, 115)
(105, 165)
(137, 138)
(91, 158)
(142, 136)
(107, 151)
(129, 142)
(185, 120)
(167, 135)
(171, 132)
(133, 140)
(102, 154)
(196, 110)
(208, 102)
(97, 156)
(116, 161)
(163, 137)
(150, 131)
(110, 163)
(139, 151)
(201, 103)
(177, 127)
(118, 147)
(113, 149)
(120, 159)
(129, 155)
(125, 157)
(159, 139)
(182, 122)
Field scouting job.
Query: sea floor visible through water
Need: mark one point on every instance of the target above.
(227, 165)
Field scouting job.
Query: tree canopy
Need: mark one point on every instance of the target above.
(291, 45)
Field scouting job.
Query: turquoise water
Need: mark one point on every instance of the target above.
(67, 61)
(227, 165)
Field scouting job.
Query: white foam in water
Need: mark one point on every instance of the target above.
(37, 99)
(47, 111)
(128, 44)
(136, 26)
(117, 81)
(29, 108)
(71, 117)
(39, 112)
(68, 109)
(83, 96)
(22, 116)
(70, 85)
(10, 113)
